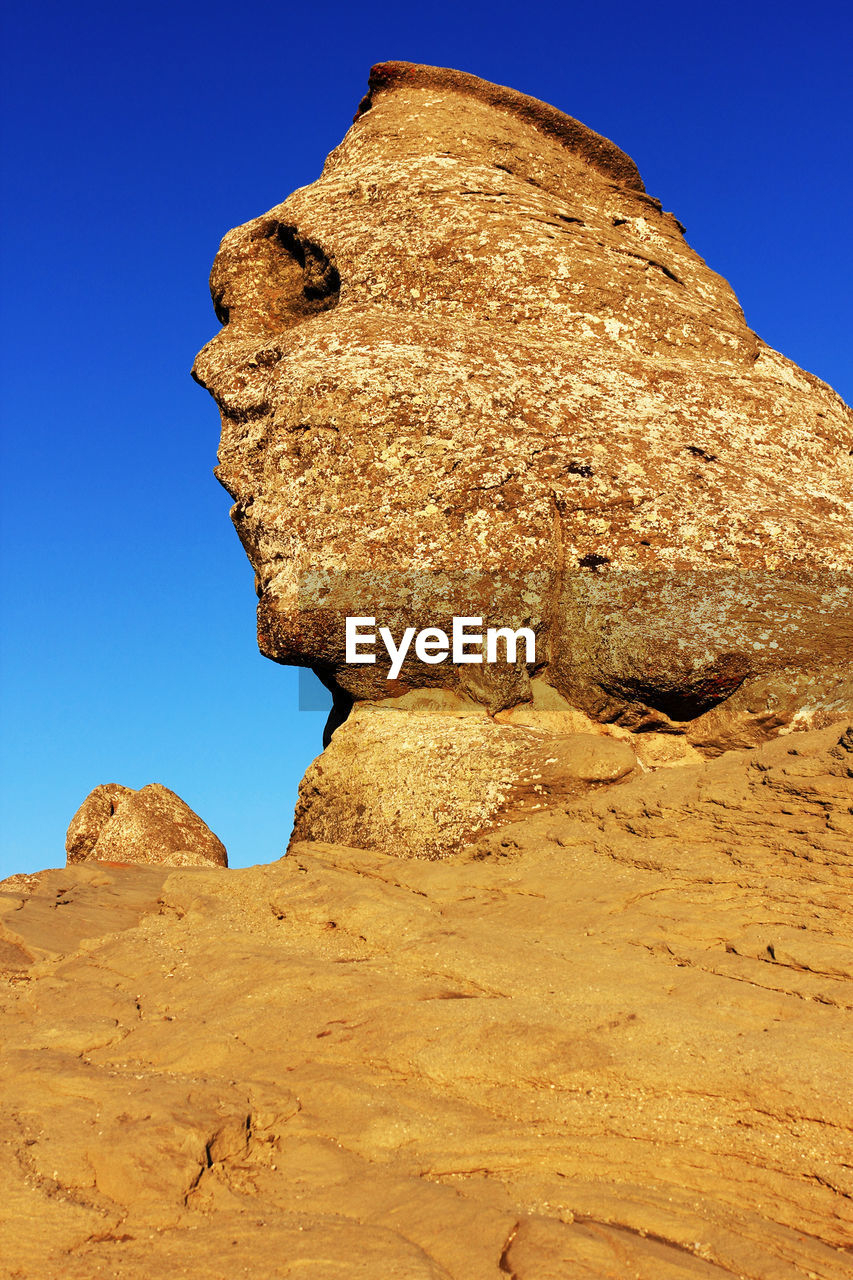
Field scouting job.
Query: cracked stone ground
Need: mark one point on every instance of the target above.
(609, 1041)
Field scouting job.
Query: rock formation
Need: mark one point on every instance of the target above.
(475, 369)
(609, 1041)
(424, 785)
(556, 978)
(152, 825)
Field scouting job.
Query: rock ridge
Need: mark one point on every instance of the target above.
(598, 151)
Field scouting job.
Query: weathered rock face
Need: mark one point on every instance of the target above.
(610, 1041)
(476, 369)
(424, 784)
(151, 825)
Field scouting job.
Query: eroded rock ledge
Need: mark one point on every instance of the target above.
(597, 151)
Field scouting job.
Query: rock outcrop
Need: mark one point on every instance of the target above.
(151, 825)
(476, 370)
(513, 360)
(611, 1040)
(595, 1021)
(424, 785)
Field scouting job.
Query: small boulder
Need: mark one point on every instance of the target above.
(152, 825)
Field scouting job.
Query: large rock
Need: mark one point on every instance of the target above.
(152, 825)
(476, 369)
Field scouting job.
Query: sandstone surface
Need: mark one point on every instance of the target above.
(151, 825)
(612, 1040)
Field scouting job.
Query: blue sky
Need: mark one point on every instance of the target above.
(135, 136)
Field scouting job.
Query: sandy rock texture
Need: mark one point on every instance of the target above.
(420, 784)
(612, 1040)
(151, 825)
(476, 369)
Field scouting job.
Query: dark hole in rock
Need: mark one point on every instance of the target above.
(684, 696)
(593, 562)
(322, 283)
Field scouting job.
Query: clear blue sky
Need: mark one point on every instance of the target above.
(135, 136)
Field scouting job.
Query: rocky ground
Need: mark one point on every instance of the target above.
(611, 1040)
(554, 981)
